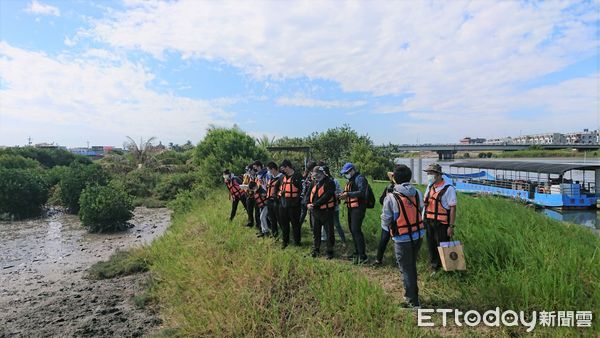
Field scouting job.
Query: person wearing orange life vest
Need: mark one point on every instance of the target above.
(356, 194)
(289, 197)
(321, 203)
(260, 199)
(236, 194)
(273, 184)
(252, 210)
(439, 213)
(401, 216)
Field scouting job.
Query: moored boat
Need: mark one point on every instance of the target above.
(540, 183)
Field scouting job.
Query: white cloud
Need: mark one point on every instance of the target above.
(37, 7)
(437, 50)
(68, 93)
(300, 101)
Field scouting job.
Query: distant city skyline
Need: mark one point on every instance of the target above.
(97, 71)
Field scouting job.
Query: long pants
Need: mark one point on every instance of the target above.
(355, 219)
(264, 220)
(436, 233)
(290, 215)
(303, 213)
(383, 242)
(323, 218)
(337, 225)
(273, 214)
(406, 257)
(234, 206)
(253, 213)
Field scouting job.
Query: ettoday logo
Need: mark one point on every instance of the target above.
(496, 318)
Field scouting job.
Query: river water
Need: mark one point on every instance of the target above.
(43, 286)
(587, 218)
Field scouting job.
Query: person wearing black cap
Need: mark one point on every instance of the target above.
(440, 212)
(289, 193)
(236, 194)
(356, 195)
(322, 204)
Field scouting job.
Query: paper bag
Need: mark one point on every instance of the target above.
(452, 256)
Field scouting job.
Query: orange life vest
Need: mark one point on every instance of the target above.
(434, 210)
(233, 186)
(272, 187)
(288, 189)
(316, 194)
(409, 218)
(259, 199)
(351, 202)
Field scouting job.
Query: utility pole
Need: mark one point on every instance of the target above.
(29, 141)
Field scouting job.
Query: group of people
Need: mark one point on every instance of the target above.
(279, 197)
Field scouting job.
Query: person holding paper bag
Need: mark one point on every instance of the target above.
(401, 214)
(440, 212)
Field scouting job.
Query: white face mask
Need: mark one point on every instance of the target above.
(348, 176)
(430, 179)
(225, 177)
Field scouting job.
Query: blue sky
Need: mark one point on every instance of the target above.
(435, 71)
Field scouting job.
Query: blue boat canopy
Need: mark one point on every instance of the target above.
(535, 167)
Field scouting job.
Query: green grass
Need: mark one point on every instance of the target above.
(120, 263)
(216, 278)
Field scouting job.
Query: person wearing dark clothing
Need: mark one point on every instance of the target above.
(356, 195)
(273, 183)
(289, 193)
(236, 194)
(322, 204)
(385, 234)
(440, 212)
(251, 208)
(306, 186)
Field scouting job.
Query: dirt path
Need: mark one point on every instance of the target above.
(43, 291)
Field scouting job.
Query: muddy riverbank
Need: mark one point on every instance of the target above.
(43, 289)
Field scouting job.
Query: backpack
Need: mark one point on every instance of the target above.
(370, 197)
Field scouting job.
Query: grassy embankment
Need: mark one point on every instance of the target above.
(213, 277)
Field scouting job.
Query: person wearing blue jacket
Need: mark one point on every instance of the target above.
(356, 194)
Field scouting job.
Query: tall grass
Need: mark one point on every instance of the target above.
(216, 278)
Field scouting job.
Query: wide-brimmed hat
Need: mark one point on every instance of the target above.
(434, 167)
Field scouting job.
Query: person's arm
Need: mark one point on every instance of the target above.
(361, 184)
(387, 213)
(297, 181)
(327, 194)
(450, 197)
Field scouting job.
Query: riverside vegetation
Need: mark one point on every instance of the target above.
(102, 192)
(213, 277)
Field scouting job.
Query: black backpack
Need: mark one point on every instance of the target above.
(370, 196)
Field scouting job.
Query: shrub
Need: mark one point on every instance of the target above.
(47, 157)
(77, 178)
(173, 184)
(17, 162)
(105, 208)
(226, 148)
(22, 192)
(140, 182)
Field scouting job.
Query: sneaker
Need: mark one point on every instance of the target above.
(377, 263)
(330, 255)
(283, 245)
(409, 306)
(250, 225)
(314, 253)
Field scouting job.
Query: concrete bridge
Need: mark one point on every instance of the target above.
(447, 151)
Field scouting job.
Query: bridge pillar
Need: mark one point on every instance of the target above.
(446, 154)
